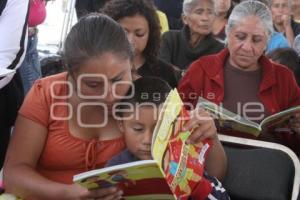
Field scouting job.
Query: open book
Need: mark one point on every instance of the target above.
(176, 167)
(139, 180)
(228, 121)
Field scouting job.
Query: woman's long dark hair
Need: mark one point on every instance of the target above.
(118, 9)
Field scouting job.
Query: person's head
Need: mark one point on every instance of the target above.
(98, 56)
(295, 7)
(280, 9)
(140, 21)
(199, 15)
(138, 114)
(287, 57)
(248, 31)
(296, 44)
(268, 3)
(223, 7)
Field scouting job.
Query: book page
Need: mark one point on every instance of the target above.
(227, 120)
(136, 179)
(163, 129)
(279, 121)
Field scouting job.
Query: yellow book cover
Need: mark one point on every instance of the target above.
(182, 163)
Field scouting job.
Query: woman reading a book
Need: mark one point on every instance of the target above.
(66, 125)
(240, 78)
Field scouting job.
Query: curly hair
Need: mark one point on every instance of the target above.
(118, 9)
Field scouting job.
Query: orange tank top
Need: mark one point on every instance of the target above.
(64, 155)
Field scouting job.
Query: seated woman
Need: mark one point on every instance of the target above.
(66, 124)
(282, 19)
(223, 10)
(140, 21)
(241, 75)
(277, 39)
(182, 47)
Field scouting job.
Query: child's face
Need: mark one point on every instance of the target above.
(138, 128)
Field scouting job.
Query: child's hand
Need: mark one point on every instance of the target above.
(77, 192)
(203, 124)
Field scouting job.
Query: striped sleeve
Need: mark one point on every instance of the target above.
(13, 40)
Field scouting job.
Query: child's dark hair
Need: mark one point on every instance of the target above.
(289, 58)
(146, 90)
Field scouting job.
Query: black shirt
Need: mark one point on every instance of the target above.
(176, 49)
(161, 70)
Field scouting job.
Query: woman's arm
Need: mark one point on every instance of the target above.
(190, 88)
(216, 162)
(21, 178)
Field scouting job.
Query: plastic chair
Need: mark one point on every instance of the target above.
(260, 170)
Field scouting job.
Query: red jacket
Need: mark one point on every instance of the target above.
(205, 77)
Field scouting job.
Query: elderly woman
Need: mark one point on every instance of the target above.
(182, 47)
(241, 75)
(282, 19)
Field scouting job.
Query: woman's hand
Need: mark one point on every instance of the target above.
(203, 124)
(204, 128)
(77, 192)
(288, 31)
(286, 20)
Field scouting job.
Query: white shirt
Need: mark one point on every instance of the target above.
(13, 38)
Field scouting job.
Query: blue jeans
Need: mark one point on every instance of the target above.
(30, 70)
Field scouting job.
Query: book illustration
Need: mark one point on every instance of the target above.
(136, 179)
(228, 121)
(163, 129)
(182, 163)
(186, 163)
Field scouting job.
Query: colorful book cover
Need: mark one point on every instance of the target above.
(182, 163)
(138, 180)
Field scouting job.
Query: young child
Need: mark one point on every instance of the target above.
(138, 123)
